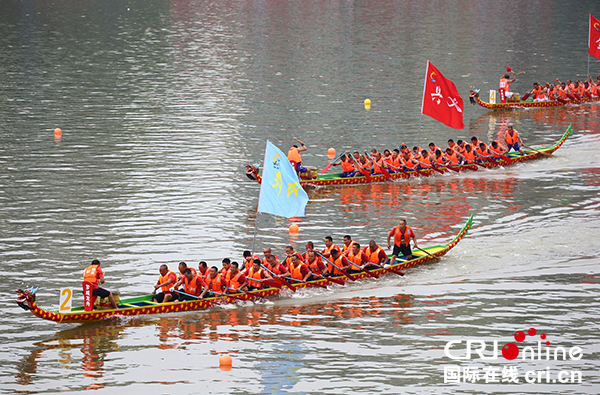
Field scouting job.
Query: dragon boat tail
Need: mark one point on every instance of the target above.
(335, 179)
(143, 305)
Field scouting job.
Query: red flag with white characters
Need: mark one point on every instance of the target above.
(441, 100)
(594, 44)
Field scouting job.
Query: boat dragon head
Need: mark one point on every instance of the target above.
(473, 93)
(252, 171)
(26, 298)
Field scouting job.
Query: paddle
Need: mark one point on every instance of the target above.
(329, 165)
(388, 269)
(433, 256)
(183, 293)
(331, 280)
(333, 264)
(228, 295)
(385, 171)
(360, 169)
(430, 167)
(531, 148)
(280, 279)
(309, 284)
(272, 283)
(242, 292)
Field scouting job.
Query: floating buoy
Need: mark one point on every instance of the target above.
(331, 152)
(294, 228)
(225, 361)
(367, 102)
(57, 132)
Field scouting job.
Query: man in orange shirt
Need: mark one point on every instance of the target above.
(166, 281)
(94, 275)
(193, 285)
(295, 158)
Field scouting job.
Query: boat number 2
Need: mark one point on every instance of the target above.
(65, 299)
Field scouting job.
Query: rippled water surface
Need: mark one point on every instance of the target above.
(161, 106)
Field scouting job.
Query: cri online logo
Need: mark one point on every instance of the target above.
(597, 26)
(510, 351)
(432, 77)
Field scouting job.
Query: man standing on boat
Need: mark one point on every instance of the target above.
(513, 139)
(402, 235)
(505, 81)
(166, 280)
(295, 158)
(94, 275)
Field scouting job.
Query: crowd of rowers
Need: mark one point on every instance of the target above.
(256, 273)
(403, 159)
(564, 91)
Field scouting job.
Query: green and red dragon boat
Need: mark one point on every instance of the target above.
(319, 180)
(474, 95)
(144, 305)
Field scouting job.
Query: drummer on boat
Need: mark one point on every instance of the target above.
(505, 82)
(94, 275)
(295, 158)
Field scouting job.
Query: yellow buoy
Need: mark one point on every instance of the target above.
(367, 102)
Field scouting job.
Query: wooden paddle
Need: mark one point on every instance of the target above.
(272, 283)
(331, 280)
(329, 165)
(433, 256)
(333, 264)
(228, 295)
(360, 169)
(251, 296)
(541, 152)
(385, 171)
(280, 279)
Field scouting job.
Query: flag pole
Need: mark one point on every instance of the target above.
(589, 38)
(422, 102)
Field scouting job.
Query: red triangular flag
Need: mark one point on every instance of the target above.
(441, 100)
(594, 42)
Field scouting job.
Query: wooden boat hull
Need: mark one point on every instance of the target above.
(335, 179)
(529, 104)
(143, 305)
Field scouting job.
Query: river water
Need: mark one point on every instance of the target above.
(161, 104)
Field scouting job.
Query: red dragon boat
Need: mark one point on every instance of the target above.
(474, 95)
(335, 179)
(143, 305)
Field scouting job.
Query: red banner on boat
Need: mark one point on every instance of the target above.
(594, 44)
(441, 100)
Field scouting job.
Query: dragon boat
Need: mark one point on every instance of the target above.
(335, 179)
(474, 96)
(144, 305)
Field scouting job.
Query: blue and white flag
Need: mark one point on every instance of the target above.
(280, 190)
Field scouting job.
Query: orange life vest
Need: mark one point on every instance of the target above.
(89, 274)
(425, 161)
(497, 151)
(373, 255)
(256, 275)
(314, 267)
(469, 156)
(234, 282)
(453, 158)
(191, 286)
(355, 260)
(347, 167)
(294, 155)
(214, 284)
(348, 247)
(400, 238)
(327, 250)
(410, 164)
(288, 260)
(296, 271)
(162, 279)
(504, 84)
(333, 270)
(511, 140)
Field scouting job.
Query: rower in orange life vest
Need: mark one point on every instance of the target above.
(453, 158)
(215, 282)
(348, 169)
(512, 139)
(329, 246)
(203, 269)
(268, 252)
(289, 251)
(357, 258)
(496, 149)
(338, 260)
(315, 263)
(182, 267)
(277, 268)
(309, 246)
(505, 81)
(295, 158)
(348, 242)
(166, 281)
(402, 235)
(193, 285)
(236, 280)
(94, 275)
(298, 270)
(375, 254)
(248, 260)
(469, 154)
(255, 276)
(226, 266)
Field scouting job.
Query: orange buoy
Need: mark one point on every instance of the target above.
(294, 228)
(225, 361)
(57, 132)
(331, 152)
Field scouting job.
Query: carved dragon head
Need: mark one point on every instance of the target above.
(26, 296)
